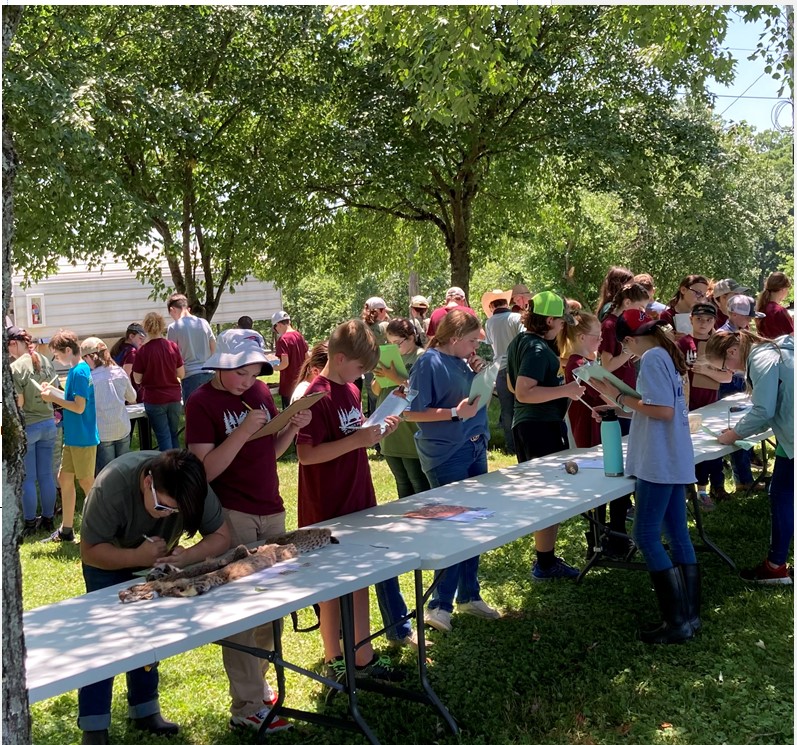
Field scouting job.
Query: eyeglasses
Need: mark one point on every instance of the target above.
(698, 294)
(158, 506)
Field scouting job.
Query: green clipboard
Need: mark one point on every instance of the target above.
(390, 353)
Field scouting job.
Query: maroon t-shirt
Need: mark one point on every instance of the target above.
(127, 357)
(342, 485)
(440, 313)
(626, 372)
(293, 344)
(778, 322)
(586, 431)
(157, 361)
(702, 389)
(250, 483)
(722, 319)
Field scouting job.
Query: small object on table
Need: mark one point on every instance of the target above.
(571, 466)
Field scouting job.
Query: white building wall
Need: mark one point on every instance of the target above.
(103, 303)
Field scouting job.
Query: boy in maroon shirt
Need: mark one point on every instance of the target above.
(334, 476)
(291, 350)
(704, 383)
(220, 418)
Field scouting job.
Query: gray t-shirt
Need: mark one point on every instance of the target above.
(500, 329)
(193, 336)
(658, 451)
(114, 510)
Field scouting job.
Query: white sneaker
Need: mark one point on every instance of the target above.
(438, 619)
(478, 608)
(269, 694)
(411, 641)
(253, 721)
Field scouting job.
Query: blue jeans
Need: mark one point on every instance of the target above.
(507, 401)
(740, 463)
(662, 506)
(410, 479)
(781, 502)
(165, 422)
(39, 469)
(190, 384)
(462, 579)
(94, 701)
(107, 451)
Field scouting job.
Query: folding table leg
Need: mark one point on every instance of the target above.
(708, 544)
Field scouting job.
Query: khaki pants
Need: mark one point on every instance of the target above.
(245, 671)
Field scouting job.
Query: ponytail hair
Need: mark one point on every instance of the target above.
(24, 337)
(566, 338)
(776, 282)
(454, 325)
(615, 278)
(318, 357)
(677, 356)
(633, 291)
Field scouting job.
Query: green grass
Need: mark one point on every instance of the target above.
(562, 667)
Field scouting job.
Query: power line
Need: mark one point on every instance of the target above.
(743, 92)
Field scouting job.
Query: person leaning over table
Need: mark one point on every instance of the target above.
(661, 458)
(769, 366)
(133, 517)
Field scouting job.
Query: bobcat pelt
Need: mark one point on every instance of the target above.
(234, 564)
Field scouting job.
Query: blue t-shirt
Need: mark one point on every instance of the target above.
(659, 451)
(80, 430)
(442, 381)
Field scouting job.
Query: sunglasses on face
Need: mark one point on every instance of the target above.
(158, 506)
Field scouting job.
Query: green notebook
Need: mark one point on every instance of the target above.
(390, 353)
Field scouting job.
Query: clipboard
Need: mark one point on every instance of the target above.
(56, 393)
(483, 384)
(282, 419)
(587, 373)
(390, 353)
(682, 323)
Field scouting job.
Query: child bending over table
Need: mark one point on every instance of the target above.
(661, 458)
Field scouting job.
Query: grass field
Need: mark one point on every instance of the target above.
(561, 667)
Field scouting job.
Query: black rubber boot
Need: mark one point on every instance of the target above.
(671, 596)
(155, 724)
(95, 737)
(30, 528)
(692, 590)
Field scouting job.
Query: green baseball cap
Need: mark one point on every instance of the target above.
(548, 303)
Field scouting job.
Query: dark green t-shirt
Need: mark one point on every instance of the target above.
(114, 510)
(23, 374)
(530, 356)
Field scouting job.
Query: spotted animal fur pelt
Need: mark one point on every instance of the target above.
(234, 564)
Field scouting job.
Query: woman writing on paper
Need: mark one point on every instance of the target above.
(452, 444)
(661, 458)
(769, 366)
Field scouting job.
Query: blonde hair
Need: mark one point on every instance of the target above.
(316, 358)
(721, 341)
(454, 325)
(567, 337)
(355, 341)
(154, 325)
(776, 282)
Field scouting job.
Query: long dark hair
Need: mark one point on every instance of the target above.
(686, 283)
(776, 282)
(615, 278)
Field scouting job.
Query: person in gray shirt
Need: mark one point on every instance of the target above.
(196, 341)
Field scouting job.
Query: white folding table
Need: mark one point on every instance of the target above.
(94, 636)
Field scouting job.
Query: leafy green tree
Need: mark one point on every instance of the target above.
(151, 126)
(444, 115)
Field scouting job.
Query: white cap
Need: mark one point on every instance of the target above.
(279, 317)
(376, 303)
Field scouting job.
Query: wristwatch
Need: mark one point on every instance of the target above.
(454, 416)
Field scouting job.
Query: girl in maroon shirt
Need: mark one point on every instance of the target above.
(778, 321)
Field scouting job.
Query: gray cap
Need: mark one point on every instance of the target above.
(728, 287)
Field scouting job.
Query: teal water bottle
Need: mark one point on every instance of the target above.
(612, 441)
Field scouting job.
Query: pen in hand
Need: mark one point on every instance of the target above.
(147, 538)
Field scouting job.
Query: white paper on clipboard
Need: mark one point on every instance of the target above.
(588, 373)
(683, 323)
(483, 384)
(393, 405)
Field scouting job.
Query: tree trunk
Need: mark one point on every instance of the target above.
(458, 241)
(16, 712)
